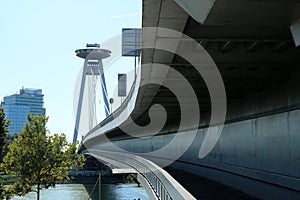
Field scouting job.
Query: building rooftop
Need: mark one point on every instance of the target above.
(30, 91)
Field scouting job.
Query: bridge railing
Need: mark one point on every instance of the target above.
(123, 106)
(161, 182)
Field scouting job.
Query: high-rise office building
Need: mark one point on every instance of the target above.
(18, 106)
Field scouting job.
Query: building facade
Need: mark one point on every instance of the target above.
(18, 106)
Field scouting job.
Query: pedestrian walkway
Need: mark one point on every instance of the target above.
(203, 188)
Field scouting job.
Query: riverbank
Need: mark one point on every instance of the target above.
(106, 179)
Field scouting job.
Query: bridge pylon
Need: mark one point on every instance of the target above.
(93, 66)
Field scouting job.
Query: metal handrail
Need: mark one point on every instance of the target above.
(119, 110)
(164, 185)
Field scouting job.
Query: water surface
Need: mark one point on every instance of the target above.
(80, 192)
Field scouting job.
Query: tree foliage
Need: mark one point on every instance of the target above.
(3, 129)
(3, 133)
(39, 160)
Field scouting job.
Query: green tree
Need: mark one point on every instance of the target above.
(3, 129)
(3, 134)
(39, 160)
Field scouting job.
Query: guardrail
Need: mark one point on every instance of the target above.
(117, 112)
(161, 182)
(123, 106)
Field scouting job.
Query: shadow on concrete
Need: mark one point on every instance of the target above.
(203, 188)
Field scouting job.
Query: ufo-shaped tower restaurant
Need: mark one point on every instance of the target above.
(93, 66)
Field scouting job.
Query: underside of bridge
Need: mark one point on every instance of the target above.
(252, 45)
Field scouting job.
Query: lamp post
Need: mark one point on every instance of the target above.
(99, 186)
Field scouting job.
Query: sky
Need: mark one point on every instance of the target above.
(38, 39)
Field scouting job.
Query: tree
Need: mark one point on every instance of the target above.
(39, 160)
(3, 134)
(3, 129)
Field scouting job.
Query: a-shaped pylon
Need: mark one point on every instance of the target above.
(93, 66)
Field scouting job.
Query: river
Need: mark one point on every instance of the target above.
(79, 192)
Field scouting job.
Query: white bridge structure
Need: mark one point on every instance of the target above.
(254, 46)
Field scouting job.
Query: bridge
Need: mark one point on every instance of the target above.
(216, 94)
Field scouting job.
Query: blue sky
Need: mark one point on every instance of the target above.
(38, 40)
